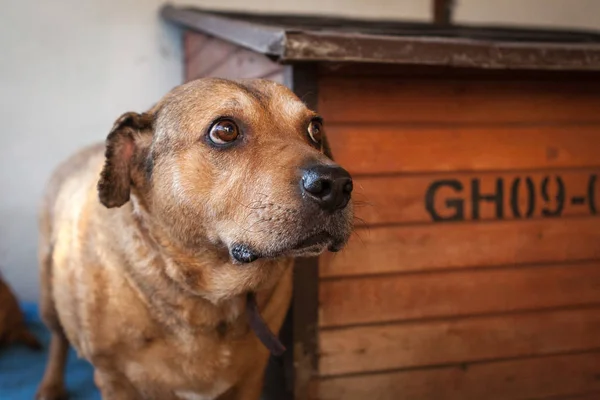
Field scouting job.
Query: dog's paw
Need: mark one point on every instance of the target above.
(51, 392)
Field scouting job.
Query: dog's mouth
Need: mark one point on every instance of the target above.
(309, 246)
(320, 239)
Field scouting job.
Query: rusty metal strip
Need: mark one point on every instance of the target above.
(319, 46)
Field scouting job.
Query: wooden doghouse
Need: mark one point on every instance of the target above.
(475, 269)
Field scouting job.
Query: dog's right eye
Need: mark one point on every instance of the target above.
(315, 131)
(223, 131)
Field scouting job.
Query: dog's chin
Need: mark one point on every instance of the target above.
(310, 246)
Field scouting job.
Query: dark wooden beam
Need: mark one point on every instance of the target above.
(302, 79)
(442, 11)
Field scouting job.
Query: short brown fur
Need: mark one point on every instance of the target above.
(136, 239)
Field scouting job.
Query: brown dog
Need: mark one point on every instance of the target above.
(12, 324)
(149, 250)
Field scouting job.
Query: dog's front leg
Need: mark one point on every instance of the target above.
(53, 386)
(114, 386)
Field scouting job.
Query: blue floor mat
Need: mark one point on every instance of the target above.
(21, 369)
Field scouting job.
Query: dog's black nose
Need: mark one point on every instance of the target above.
(328, 185)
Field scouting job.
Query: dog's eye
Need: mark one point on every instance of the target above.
(315, 131)
(223, 132)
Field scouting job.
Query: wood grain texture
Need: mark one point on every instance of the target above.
(555, 377)
(214, 53)
(408, 345)
(413, 100)
(246, 64)
(207, 56)
(388, 149)
(464, 245)
(409, 297)
(192, 44)
(415, 296)
(402, 199)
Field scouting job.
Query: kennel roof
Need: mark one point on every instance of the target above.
(296, 38)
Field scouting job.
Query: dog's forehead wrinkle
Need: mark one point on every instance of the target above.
(293, 107)
(205, 93)
(275, 97)
(259, 95)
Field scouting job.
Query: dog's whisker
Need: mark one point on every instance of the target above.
(249, 229)
(355, 232)
(258, 202)
(359, 204)
(360, 221)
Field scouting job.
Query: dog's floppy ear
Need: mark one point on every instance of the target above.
(122, 148)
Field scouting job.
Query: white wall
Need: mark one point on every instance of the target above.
(68, 68)
(578, 14)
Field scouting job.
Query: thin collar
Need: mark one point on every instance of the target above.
(260, 328)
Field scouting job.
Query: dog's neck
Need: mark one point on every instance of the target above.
(184, 296)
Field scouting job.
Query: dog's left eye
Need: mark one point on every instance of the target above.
(223, 132)
(315, 131)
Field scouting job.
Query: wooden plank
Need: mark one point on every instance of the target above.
(212, 54)
(411, 100)
(464, 245)
(409, 297)
(192, 44)
(535, 378)
(201, 52)
(407, 345)
(360, 149)
(246, 64)
(405, 199)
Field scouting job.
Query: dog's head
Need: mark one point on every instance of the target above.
(241, 166)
